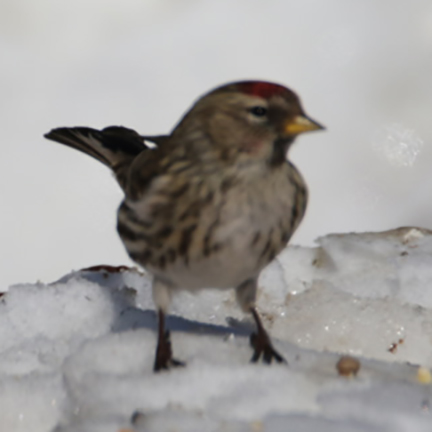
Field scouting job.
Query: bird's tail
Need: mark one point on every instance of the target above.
(114, 146)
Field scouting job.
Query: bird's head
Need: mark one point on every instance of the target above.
(247, 120)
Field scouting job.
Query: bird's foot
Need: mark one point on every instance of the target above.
(262, 346)
(164, 359)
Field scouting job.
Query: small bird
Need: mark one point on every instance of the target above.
(212, 203)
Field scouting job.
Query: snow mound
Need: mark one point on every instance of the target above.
(77, 354)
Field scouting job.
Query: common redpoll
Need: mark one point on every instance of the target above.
(214, 201)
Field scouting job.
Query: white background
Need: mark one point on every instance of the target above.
(363, 68)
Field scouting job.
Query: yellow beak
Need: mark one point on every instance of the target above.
(300, 124)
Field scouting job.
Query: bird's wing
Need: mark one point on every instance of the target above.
(110, 146)
(114, 146)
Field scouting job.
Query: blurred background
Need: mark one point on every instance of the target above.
(362, 68)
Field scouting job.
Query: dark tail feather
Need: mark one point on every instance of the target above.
(111, 145)
(114, 146)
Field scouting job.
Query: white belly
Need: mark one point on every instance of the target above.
(239, 258)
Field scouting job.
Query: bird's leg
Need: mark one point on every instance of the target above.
(261, 343)
(163, 357)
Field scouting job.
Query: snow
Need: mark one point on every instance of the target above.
(77, 354)
(397, 144)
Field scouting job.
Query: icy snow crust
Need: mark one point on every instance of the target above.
(77, 355)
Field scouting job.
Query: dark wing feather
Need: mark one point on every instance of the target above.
(110, 146)
(114, 146)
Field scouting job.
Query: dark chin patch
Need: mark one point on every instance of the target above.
(280, 148)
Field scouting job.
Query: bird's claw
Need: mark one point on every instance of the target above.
(262, 346)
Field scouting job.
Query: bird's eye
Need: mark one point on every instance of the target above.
(258, 111)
